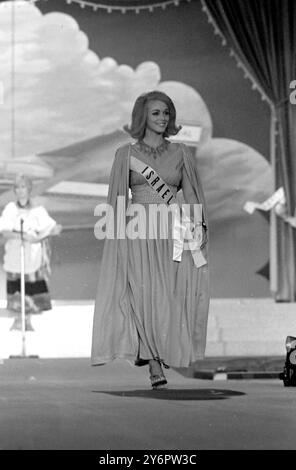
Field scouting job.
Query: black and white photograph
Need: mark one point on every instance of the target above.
(147, 229)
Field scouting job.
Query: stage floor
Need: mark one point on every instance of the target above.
(236, 327)
(65, 404)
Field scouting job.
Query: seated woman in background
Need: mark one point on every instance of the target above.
(36, 224)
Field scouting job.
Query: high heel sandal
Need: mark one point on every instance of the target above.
(158, 381)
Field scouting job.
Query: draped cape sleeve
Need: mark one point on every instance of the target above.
(114, 333)
(193, 191)
(193, 194)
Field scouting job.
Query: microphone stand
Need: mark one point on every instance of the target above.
(23, 301)
(23, 294)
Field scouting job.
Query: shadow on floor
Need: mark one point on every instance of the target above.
(176, 394)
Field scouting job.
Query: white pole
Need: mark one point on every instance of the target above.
(23, 308)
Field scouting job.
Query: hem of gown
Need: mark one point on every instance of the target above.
(200, 357)
(100, 361)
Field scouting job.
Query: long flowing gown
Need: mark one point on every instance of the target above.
(148, 305)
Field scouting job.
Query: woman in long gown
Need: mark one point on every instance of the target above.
(151, 306)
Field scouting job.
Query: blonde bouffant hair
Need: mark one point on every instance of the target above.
(139, 115)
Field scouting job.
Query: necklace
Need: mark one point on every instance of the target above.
(25, 206)
(153, 151)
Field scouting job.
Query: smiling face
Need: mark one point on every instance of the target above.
(158, 116)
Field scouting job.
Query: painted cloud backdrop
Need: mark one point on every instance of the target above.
(61, 91)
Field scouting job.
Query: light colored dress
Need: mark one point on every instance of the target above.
(36, 257)
(152, 306)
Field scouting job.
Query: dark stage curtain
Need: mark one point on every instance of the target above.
(262, 34)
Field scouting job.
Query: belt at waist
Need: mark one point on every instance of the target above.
(143, 193)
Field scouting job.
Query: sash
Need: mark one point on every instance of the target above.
(182, 225)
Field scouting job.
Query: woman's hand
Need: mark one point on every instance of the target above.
(57, 229)
(199, 233)
(50, 232)
(11, 234)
